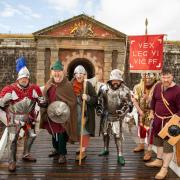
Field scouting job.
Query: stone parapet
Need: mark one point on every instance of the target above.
(17, 43)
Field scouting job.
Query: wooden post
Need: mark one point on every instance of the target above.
(82, 120)
(146, 24)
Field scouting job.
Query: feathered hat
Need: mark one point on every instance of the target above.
(21, 68)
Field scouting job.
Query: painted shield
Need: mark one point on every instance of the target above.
(58, 112)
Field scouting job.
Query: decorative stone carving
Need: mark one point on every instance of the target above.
(82, 29)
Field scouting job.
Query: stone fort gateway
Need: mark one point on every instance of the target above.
(78, 40)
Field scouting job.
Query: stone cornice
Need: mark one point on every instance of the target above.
(77, 38)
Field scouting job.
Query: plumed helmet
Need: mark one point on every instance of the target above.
(24, 72)
(21, 68)
(116, 74)
(79, 70)
(58, 112)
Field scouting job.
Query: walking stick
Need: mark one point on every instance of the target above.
(82, 121)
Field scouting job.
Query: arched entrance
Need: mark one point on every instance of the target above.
(84, 62)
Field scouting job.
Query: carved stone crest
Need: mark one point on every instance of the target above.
(82, 29)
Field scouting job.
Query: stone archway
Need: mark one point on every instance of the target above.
(84, 62)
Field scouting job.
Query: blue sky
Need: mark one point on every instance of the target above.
(127, 16)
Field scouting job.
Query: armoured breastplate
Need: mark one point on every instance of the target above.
(24, 106)
(113, 100)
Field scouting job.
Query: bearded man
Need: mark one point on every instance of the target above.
(164, 104)
(19, 100)
(114, 102)
(141, 99)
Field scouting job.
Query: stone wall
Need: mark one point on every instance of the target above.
(172, 58)
(10, 50)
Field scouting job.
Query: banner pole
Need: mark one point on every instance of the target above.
(146, 24)
(125, 62)
(146, 32)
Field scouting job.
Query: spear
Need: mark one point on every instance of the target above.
(146, 32)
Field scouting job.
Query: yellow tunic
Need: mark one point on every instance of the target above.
(143, 104)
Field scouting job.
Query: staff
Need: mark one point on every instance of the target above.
(82, 121)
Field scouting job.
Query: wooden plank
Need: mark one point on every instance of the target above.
(94, 167)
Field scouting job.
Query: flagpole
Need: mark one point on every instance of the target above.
(146, 24)
(144, 91)
(146, 32)
(165, 47)
(125, 54)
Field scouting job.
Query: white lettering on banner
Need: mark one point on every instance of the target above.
(145, 53)
(155, 53)
(145, 61)
(151, 45)
(146, 45)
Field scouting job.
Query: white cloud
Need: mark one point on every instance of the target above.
(9, 11)
(21, 10)
(28, 12)
(129, 16)
(64, 5)
(90, 7)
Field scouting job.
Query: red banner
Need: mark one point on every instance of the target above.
(146, 53)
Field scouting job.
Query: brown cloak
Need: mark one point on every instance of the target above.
(64, 92)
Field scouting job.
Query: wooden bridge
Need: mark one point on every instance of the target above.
(94, 167)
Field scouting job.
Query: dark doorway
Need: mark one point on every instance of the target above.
(84, 62)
